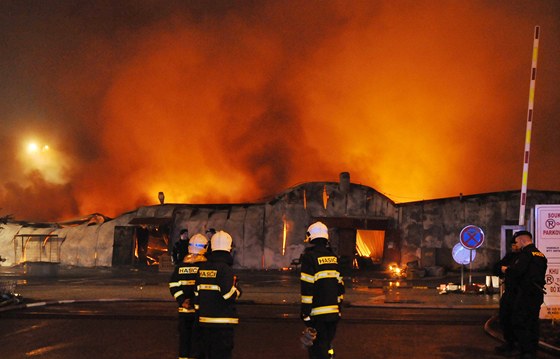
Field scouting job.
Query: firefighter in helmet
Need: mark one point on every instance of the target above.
(322, 290)
(182, 287)
(217, 291)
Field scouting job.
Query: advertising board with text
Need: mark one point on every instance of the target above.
(547, 240)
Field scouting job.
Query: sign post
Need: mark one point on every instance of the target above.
(471, 238)
(461, 256)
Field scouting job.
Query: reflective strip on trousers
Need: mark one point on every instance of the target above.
(328, 309)
(218, 320)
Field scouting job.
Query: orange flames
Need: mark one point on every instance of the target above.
(417, 101)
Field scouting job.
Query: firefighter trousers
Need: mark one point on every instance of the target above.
(322, 344)
(190, 342)
(217, 342)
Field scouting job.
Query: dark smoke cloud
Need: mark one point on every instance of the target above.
(229, 101)
(39, 199)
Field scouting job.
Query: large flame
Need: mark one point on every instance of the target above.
(220, 103)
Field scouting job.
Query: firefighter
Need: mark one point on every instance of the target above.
(181, 247)
(217, 291)
(182, 287)
(322, 290)
(507, 300)
(529, 271)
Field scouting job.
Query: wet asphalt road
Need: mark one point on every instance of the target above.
(148, 330)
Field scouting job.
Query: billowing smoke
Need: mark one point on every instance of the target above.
(233, 101)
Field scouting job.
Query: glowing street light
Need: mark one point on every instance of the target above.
(32, 147)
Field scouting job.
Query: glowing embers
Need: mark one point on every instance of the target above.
(396, 271)
(150, 245)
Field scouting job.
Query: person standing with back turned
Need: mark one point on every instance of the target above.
(529, 272)
(322, 290)
(217, 291)
(182, 287)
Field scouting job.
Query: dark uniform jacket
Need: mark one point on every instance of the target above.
(529, 270)
(508, 260)
(217, 291)
(182, 282)
(322, 287)
(180, 250)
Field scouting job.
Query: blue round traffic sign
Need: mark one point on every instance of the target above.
(471, 237)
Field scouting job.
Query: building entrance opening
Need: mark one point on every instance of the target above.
(369, 248)
(140, 246)
(151, 243)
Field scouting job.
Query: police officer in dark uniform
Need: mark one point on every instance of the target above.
(529, 272)
(217, 291)
(182, 287)
(181, 247)
(322, 290)
(507, 300)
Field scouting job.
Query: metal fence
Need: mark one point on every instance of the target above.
(37, 248)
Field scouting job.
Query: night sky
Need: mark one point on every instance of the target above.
(232, 101)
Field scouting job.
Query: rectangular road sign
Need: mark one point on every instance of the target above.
(547, 240)
(547, 231)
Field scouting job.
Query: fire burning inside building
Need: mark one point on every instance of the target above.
(366, 230)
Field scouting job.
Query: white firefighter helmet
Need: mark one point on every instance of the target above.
(317, 230)
(221, 241)
(198, 244)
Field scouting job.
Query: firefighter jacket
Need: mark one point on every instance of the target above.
(182, 282)
(529, 270)
(216, 291)
(322, 287)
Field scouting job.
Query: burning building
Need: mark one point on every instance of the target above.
(366, 229)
